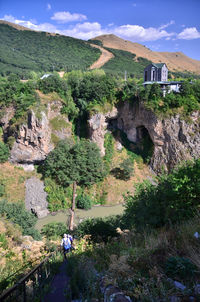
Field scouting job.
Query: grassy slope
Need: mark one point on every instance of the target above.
(115, 188)
(13, 178)
(15, 259)
(23, 51)
(176, 61)
(125, 61)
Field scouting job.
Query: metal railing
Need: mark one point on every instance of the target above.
(31, 286)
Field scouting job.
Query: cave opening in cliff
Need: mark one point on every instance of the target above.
(144, 143)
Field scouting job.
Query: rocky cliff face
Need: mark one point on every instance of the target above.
(33, 140)
(98, 124)
(173, 138)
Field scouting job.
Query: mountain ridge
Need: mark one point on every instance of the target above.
(176, 61)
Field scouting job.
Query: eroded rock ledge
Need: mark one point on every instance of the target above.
(174, 139)
(34, 138)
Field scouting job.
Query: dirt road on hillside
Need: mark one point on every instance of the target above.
(104, 58)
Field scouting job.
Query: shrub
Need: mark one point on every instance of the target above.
(180, 267)
(174, 199)
(4, 153)
(109, 150)
(2, 189)
(54, 229)
(84, 202)
(126, 169)
(19, 215)
(100, 228)
(56, 196)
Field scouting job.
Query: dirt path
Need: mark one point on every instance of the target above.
(104, 58)
(61, 73)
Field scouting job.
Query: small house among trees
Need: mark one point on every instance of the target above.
(156, 72)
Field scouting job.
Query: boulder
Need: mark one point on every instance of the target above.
(35, 197)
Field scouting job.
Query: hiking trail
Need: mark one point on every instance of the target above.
(59, 285)
(104, 58)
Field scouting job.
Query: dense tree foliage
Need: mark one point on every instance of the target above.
(174, 199)
(188, 99)
(24, 51)
(81, 163)
(16, 94)
(91, 88)
(53, 83)
(78, 164)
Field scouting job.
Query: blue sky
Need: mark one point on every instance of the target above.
(164, 25)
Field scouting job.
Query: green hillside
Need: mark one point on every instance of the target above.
(125, 61)
(23, 51)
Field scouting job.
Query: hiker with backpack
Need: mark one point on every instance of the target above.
(66, 243)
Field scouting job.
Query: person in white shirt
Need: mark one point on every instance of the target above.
(66, 243)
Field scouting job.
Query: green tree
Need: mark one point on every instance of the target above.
(80, 164)
(4, 153)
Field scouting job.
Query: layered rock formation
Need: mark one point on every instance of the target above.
(98, 124)
(173, 138)
(33, 139)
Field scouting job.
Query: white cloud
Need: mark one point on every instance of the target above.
(12, 19)
(167, 24)
(85, 30)
(48, 6)
(139, 33)
(32, 24)
(88, 30)
(65, 17)
(189, 33)
(9, 18)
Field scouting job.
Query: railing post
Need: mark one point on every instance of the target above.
(24, 291)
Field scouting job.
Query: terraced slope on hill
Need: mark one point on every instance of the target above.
(176, 61)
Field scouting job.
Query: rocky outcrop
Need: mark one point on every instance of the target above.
(112, 293)
(98, 124)
(33, 139)
(35, 197)
(174, 139)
